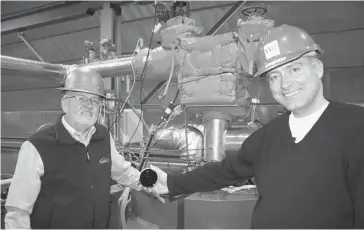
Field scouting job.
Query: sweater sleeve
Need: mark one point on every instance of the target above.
(235, 168)
(355, 175)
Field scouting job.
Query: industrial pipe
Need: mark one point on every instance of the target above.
(111, 68)
(214, 139)
(174, 138)
(30, 65)
(234, 137)
(215, 124)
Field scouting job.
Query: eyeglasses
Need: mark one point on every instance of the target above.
(84, 100)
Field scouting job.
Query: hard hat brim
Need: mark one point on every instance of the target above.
(284, 60)
(82, 91)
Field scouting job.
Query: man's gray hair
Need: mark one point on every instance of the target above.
(312, 55)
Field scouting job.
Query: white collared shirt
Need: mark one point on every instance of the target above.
(26, 183)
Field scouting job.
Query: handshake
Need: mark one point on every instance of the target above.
(153, 181)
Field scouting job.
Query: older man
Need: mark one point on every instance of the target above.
(62, 177)
(308, 164)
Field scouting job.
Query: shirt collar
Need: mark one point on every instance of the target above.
(81, 137)
(65, 136)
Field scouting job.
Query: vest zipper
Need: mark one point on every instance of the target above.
(92, 186)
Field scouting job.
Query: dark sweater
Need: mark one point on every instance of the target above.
(75, 190)
(316, 183)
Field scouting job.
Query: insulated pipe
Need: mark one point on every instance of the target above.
(33, 66)
(234, 137)
(215, 123)
(213, 139)
(174, 138)
(110, 68)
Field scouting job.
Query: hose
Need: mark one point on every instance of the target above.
(171, 73)
(123, 202)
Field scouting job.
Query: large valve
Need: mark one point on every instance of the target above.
(252, 26)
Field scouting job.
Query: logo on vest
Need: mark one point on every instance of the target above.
(104, 160)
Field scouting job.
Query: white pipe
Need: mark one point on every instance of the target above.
(111, 68)
(108, 68)
(30, 65)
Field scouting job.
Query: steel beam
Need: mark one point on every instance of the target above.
(107, 31)
(226, 17)
(37, 10)
(107, 22)
(49, 17)
(107, 18)
(21, 36)
(56, 14)
(154, 92)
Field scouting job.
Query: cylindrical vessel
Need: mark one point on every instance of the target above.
(214, 139)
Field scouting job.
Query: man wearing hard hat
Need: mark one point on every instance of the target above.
(62, 177)
(308, 164)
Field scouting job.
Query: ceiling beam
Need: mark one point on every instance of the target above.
(226, 18)
(60, 14)
(36, 10)
(49, 17)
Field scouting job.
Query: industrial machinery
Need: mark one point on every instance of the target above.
(210, 112)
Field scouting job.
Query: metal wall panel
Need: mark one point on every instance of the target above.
(318, 16)
(344, 49)
(22, 124)
(20, 80)
(346, 85)
(31, 100)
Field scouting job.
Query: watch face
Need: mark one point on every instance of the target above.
(148, 178)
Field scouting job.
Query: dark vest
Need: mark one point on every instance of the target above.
(75, 191)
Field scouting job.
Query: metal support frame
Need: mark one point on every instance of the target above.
(107, 31)
(50, 17)
(21, 36)
(226, 17)
(57, 14)
(154, 92)
(110, 29)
